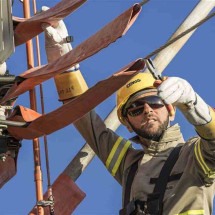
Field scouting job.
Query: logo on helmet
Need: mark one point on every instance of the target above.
(132, 82)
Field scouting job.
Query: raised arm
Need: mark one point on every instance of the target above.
(180, 93)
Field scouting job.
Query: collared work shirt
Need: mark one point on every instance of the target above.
(191, 194)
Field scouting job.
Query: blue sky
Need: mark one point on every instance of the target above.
(156, 23)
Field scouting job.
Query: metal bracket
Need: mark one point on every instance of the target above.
(150, 66)
(45, 203)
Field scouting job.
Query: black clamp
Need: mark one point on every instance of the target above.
(69, 39)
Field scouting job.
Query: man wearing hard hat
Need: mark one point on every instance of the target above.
(169, 176)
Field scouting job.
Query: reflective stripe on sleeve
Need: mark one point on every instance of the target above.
(116, 155)
(207, 131)
(193, 212)
(201, 161)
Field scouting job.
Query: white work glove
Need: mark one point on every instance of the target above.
(56, 41)
(180, 93)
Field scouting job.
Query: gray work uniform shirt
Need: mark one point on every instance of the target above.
(191, 194)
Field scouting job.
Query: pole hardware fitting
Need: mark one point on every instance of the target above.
(13, 123)
(3, 157)
(45, 203)
(69, 39)
(7, 107)
(9, 146)
(6, 82)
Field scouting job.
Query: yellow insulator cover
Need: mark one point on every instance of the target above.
(70, 84)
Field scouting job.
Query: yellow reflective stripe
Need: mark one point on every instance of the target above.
(121, 155)
(113, 151)
(199, 156)
(207, 131)
(201, 160)
(193, 212)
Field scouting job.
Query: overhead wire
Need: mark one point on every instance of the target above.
(50, 193)
(156, 51)
(170, 42)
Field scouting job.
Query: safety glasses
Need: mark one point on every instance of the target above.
(137, 107)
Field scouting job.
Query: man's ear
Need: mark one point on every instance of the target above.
(128, 126)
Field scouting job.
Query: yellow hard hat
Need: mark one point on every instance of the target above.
(139, 82)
